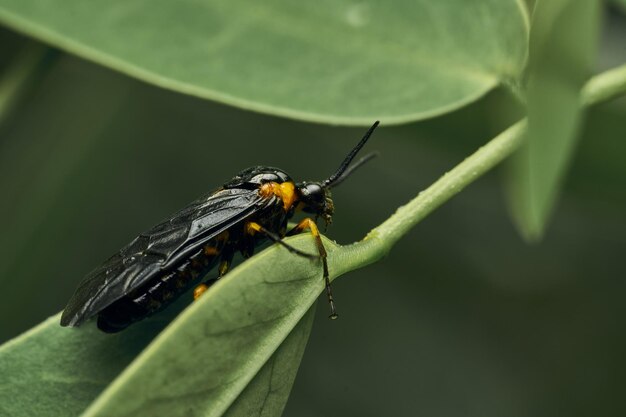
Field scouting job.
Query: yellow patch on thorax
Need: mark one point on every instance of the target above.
(286, 191)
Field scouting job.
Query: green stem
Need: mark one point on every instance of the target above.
(379, 241)
(481, 161)
(604, 87)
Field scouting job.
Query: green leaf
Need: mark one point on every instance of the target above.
(266, 395)
(236, 349)
(203, 361)
(54, 371)
(562, 50)
(331, 61)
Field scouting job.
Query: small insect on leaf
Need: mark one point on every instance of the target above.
(161, 264)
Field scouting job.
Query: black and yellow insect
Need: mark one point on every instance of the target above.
(161, 264)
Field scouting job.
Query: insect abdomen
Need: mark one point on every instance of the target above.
(157, 293)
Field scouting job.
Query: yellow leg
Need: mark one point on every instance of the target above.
(199, 290)
(253, 228)
(310, 224)
(222, 269)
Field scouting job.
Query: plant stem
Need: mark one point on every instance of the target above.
(605, 86)
(451, 183)
(380, 240)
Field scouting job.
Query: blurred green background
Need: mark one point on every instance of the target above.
(462, 318)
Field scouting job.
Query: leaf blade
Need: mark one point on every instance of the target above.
(267, 394)
(274, 58)
(244, 318)
(563, 42)
(66, 368)
(70, 368)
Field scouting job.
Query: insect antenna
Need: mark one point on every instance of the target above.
(352, 168)
(344, 170)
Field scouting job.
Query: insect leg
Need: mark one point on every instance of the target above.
(252, 228)
(227, 257)
(199, 290)
(310, 224)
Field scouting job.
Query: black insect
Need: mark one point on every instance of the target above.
(161, 264)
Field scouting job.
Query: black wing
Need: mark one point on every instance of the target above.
(159, 248)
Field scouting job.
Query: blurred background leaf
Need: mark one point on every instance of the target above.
(23, 73)
(333, 61)
(621, 3)
(562, 52)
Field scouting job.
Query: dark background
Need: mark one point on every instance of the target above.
(462, 318)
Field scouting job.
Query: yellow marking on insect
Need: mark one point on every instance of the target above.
(308, 223)
(252, 228)
(286, 191)
(199, 290)
(223, 268)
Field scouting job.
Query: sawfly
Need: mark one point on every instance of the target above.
(167, 260)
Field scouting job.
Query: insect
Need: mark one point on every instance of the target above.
(167, 260)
